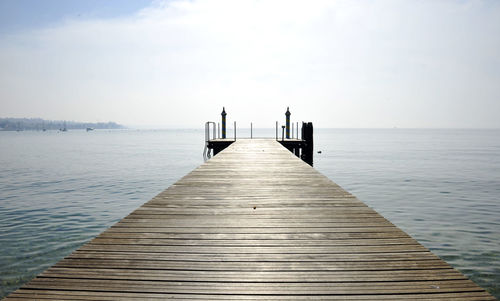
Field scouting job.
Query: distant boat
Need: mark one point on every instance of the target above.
(89, 129)
(64, 129)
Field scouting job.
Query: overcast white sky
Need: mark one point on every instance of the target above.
(422, 64)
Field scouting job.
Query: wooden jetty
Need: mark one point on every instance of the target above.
(254, 222)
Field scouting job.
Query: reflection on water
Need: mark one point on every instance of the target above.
(58, 190)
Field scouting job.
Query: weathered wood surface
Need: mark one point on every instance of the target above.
(254, 222)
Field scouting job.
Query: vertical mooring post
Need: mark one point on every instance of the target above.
(282, 133)
(307, 137)
(218, 130)
(287, 114)
(223, 123)
(276, 131)
(297, 151)
(251, 130)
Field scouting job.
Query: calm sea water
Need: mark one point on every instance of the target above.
(58, 190)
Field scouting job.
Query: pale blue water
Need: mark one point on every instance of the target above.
(440, 186)
(58, 190)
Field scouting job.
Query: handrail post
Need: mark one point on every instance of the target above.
(276, 131)
(214, 137)
(207, 135)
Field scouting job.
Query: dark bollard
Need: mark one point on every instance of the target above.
(223, 123)
(287, 114)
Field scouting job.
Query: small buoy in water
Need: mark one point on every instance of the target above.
(254, 207)
(319, 152)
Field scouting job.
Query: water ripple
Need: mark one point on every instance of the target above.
(440, 186)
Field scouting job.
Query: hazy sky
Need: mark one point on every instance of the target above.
(176, 63)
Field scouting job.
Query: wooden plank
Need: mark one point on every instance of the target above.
(255, 249)
(255, 236)
(117, 228)
(251, 242)
(251, 266)
(268, 288)
(261, 276)
(254, 222)
(276, 257)
(27, 294)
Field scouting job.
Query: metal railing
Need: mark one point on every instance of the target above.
(207, 131)
(212, 132)
(207, 152)
(294, 130)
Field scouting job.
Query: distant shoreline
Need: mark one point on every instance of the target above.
(38, 124)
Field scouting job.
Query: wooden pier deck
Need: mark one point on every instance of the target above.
(254, 222)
